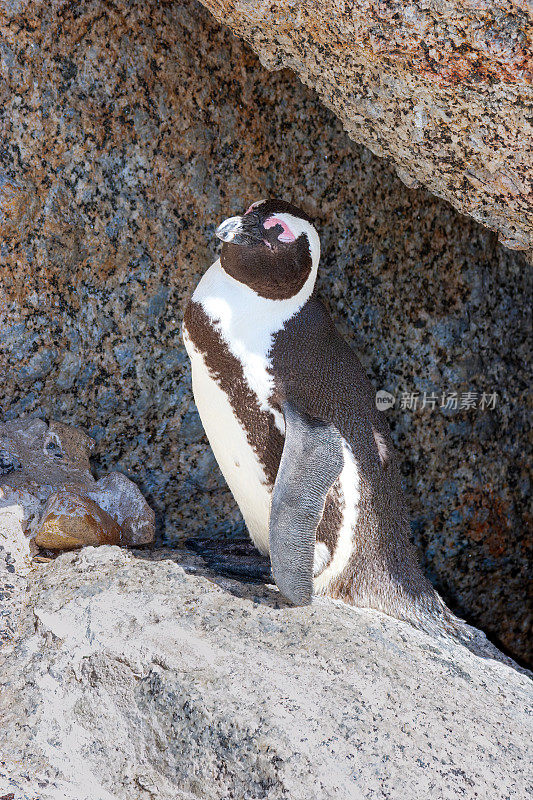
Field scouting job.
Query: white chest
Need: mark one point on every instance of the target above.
(236, 458)
(246, 324)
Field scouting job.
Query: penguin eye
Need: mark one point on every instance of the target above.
(286, 234)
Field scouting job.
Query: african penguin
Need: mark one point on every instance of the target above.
(292, 421)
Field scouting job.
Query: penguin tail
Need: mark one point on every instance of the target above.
(424, 609)
(431, 615)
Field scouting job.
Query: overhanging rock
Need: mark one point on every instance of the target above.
(443, 89)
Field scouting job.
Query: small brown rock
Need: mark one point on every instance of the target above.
(71, 519)
(122, 499)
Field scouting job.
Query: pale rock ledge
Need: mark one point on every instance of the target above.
(139, 677)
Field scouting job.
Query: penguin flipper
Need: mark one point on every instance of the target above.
(311, 462)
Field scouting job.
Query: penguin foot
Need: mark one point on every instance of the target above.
(234, 558)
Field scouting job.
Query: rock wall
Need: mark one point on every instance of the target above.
(443, 89)
(137, 680)
(128, 132)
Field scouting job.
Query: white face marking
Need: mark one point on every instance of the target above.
(238, 462)
(350, 494)
(286, 234)
(298, 226)
(254, 205)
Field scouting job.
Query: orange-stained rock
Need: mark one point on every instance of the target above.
(71, 519)
(441, 89)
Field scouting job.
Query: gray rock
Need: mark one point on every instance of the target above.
(15, 564)
(38, 461)
(136, 679)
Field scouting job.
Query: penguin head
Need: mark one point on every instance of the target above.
(273, 248)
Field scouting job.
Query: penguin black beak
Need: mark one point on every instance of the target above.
(229, 229)
(238, 230)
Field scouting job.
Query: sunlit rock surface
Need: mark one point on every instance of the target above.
(137, 679)
(129, 131)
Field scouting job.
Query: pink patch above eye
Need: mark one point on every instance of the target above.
(286, 235)
(254, 205)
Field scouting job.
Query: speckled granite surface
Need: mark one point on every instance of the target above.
(442, 89)
(128, 132)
